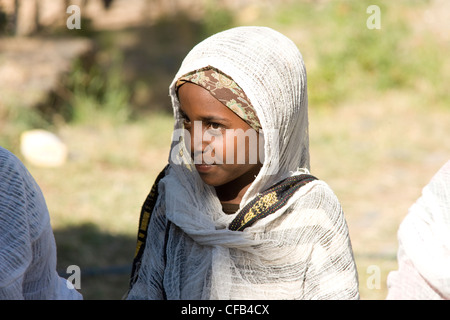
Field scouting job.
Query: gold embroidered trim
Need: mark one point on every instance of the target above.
(262, 204)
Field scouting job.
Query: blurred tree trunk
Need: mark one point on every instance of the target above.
(26, 17)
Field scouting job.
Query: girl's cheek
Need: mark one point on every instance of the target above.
(240, 148)
(214, 149)
(226, 150)
(219, 145)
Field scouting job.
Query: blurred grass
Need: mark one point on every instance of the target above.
(346, 54)
(378, 117)
(96, 95)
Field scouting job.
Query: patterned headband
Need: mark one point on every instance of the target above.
(225, 90)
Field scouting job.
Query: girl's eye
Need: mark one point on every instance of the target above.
(215, 126)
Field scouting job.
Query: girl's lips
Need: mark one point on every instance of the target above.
(203, 167)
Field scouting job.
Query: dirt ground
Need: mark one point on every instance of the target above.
(379, 156)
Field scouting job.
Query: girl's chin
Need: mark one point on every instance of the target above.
(209, 174)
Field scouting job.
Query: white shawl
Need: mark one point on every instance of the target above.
(424, 245)
(303, 250)
(27, 244)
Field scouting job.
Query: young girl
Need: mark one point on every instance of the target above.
(235, 214)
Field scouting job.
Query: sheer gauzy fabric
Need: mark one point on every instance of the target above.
(27, 244)
(424, 245)
(303, 250)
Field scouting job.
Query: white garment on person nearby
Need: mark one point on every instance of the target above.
(27, 244)
(303, 250)
(424, 245)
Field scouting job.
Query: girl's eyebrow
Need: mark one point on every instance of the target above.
(210, 118)
(215, 118)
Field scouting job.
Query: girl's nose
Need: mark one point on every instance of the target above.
(197, 144)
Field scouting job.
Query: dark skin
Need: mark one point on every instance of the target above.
(231, 180)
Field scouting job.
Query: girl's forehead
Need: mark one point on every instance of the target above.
(190, 93)
(195, 100)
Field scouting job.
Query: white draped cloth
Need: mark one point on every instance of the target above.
(303, 250)
(27, 244)
(424, 245)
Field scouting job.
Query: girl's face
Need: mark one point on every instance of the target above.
(223, 146)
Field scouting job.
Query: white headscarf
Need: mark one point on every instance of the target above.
(300, 251)
(424, 244)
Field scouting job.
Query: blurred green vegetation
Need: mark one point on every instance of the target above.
(124, 83)
(98, 95)
(346, 60)
(351, 60)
